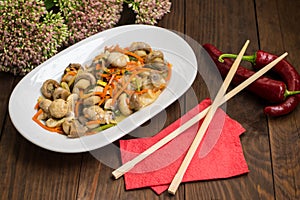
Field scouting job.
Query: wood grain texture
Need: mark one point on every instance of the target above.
(279, 31)
(271, 145)
(30, 172)
(96, 181)
(6, 85)
(225, 25)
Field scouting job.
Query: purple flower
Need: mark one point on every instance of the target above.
(149, 11)
(24, 29)
(87, 17)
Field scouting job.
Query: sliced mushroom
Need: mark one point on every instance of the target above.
(108, 105)
(66, 126)
(155, 56)
(123, 106)
(58, 108)
(91, 100)
(48, 88)
(134, 102)
(76, 129)
(73, 66)
(72, 98)
(117, 59)
(60, 93)
(44, 105)
(135, 46)
(82, 84)
(87, 76)
(157, 79)
(94, 113)
(54, 122)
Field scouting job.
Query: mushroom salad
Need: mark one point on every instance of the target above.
(88, 99)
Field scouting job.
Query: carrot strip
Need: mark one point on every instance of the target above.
(134, 55)
(119, 92)
(111, 79)
(35, 119)
(76, 111)
(69, 73)
(101, 101)
(98, 66)
(93, 122)
(169, 65)
(142, 91)
(37, 105)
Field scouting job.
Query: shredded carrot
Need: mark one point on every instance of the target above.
(125, 84)
(142, 91)
(98, 66)
(103, 100)
(37, 105)
(134, 55)
(105, 91)
(76, 111)
(81, 93)
(104, 75)
(111, 79)
(93, 122)
(69, 73)
(169, 65)
(35, 119)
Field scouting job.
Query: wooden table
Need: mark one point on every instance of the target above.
(271, 145)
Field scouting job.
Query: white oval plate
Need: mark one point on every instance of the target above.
(26, 93)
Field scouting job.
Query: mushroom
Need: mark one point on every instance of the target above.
(84, 80)
(123, 106)
(82, 84)
(137, 46)
(73, 66)
(48, 88)
(117, 59)
(91, 100)
(60, 93)
(157, 79)
(134, 102)
(72, 98)
(94, 113)
(66, 126)
(58, 108)
(155, 56)
(86, 76)
(44, 105)
(54, 122)
(75, 129)
(108, 105)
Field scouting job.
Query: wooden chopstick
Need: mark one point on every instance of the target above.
(130, 164)
(201, 132)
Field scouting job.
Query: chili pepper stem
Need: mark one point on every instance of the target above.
(250, 58)
(290, 93)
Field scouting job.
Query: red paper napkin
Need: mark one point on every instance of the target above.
(225, 160)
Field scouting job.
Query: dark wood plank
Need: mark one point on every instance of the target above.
(96, 181)
(29, 172)
(227, 25)
(278, 23)
(6, 87)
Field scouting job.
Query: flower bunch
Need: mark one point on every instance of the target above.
(149, 11)
(29, 35)
(87, 17)
(31, 31)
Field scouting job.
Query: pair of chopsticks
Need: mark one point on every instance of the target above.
(208, 113)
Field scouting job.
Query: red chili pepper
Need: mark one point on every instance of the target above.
(286, 72)
(269, 89)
